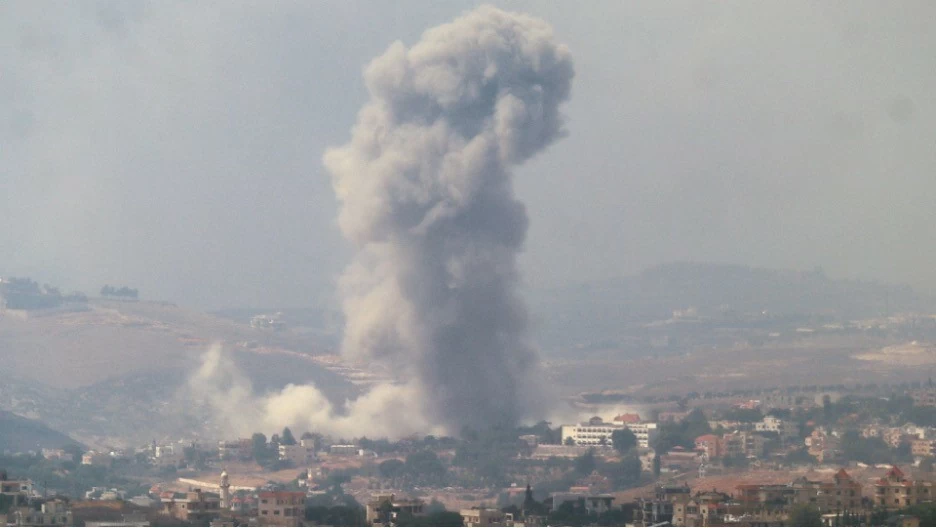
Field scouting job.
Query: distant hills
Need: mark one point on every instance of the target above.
(592, 310)
(19, 434)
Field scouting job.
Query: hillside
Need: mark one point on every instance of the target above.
(601, 310)
(19, 434)
(117, 371)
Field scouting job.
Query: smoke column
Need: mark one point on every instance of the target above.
(426, 198)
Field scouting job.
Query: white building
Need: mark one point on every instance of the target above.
(785, 429)
(592, 432)
(300, 456)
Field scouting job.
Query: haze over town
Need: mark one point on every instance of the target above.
(481, 264)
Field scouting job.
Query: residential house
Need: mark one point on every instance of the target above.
(281, 508)
(484, 517)
(383, 510)
(707, 508)
(658, 510)
(298, 455)
(195, 506)
(894, 490)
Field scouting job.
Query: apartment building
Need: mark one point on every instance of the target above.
(281, 508)
(597, 432)
(894, 490)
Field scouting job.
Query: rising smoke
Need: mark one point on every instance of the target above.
(426, 197)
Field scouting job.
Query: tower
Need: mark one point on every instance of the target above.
(225, 491)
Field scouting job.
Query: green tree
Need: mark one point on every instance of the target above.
(805, 515)
(623, 440)
(569, 441)
(585, 464)
(656, 466)
(287, 438)
(630, 471)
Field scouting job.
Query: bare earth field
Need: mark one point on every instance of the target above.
(812, 361)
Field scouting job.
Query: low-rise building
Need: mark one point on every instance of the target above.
(707, 508)
(94, 458)
(923, 447)
(710, 445)
(894, 490)
(658, 510)
(281, 508)
(784, 428)
(484, 517)
(195, 506)
(589, 503)
(298, 455)
(384, 510)
(51, 513)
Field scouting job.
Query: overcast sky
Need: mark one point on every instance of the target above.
(176, 147)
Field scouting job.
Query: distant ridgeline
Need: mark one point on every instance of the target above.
(27, 294)
(125, 292)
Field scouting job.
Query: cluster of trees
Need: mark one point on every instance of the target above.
(422, 468)
(110, 291)
(267, 453)
(683, 433)
(26, 294)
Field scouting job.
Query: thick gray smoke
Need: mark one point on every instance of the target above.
(426, 196)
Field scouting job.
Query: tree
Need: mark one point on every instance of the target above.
(287, 437)
(656, 466)
(569, 441)
(623, 440)
(630, 471)
(805, 515)
(585, 464)
(392, 469)
(425, 466)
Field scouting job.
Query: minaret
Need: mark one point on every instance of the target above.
(225, 491)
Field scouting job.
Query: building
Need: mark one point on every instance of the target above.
(383, 510)
(784, 428)
(823, 445)
(237, 450)
(596, 432)
(841, 493)
(299, 456)
(627, 418)
(708, 508)
(281, 508)
(195, 506)
(924, 397)
(894, 490)
(743, 444)
(711, 445)
(923, 447)
(94, 458)
(51, 513)
(589, 503)
(659, 509)
(484, 517)
(344, 450)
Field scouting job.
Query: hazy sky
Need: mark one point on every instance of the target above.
(176, 147)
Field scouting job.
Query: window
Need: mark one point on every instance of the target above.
(276, 512)
(264, 512)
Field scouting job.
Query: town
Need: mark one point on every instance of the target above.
(804, 456)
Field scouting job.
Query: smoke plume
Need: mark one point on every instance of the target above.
(426, 197)
(240, 411)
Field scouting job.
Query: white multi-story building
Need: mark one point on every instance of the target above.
(784, 428)
(592, 432)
